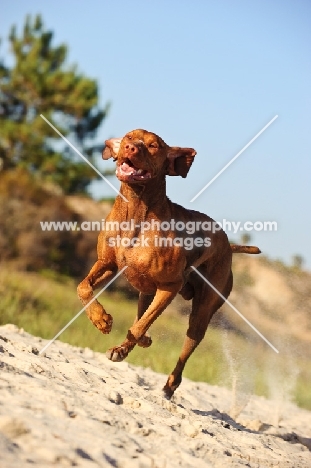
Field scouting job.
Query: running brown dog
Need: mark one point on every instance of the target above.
(158, 241)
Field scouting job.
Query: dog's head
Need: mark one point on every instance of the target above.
(143, 155)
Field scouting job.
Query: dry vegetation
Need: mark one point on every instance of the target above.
(23, 205)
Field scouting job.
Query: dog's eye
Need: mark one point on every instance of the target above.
(153, 145)
(129, 137)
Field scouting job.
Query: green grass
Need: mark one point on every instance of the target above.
(43, 303)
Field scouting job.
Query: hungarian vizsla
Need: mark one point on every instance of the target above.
(158, 241)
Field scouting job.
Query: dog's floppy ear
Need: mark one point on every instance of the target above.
(180, 160)
(112, 147)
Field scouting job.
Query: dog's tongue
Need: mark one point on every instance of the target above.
(126, 168)
(129, 170)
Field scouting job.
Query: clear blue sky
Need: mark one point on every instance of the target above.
(210, 75)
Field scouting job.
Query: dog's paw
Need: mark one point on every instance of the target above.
(145, 341)
(171, 385)
(104, 324)
(167, 392)
(118, 353)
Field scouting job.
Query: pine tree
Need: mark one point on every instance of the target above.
(40, 82)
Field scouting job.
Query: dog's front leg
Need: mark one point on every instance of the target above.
(161, 300)
(144, 302)
(100, 274)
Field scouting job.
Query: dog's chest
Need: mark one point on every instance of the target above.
(146, 267)
(139, 269)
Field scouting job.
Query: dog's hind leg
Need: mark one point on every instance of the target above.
(204, 304)
(187, 291)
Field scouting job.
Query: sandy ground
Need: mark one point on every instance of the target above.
(73, 407)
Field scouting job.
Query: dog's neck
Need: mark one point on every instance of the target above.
(143, 199)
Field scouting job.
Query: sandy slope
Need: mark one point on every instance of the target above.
(73, 407)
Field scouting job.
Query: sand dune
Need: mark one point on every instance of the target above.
(73, 407)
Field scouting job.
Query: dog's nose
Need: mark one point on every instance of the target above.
(131, 149)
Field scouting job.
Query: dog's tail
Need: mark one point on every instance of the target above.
(249, 249)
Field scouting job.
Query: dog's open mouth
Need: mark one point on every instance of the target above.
(126, 171)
